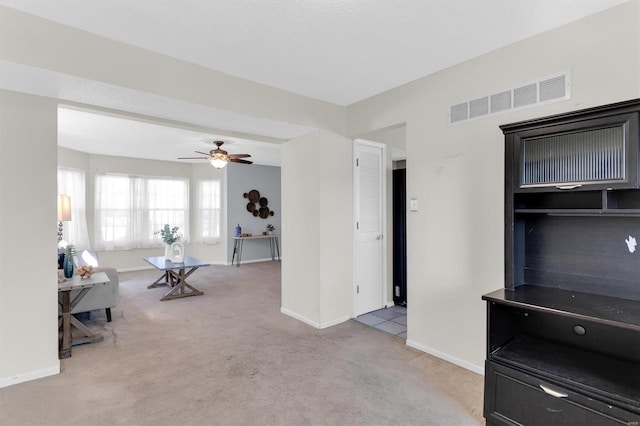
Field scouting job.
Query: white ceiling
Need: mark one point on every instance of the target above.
(339, 51)
(110, 134)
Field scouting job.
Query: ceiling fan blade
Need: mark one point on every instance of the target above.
(239, 155)
(203, 153)
(193, 158)
(237, 160)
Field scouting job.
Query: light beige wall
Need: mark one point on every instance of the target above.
(393, 136)
(300, 176)
(132, 259)
(455, 241)
(29, 40)
(28, 283)
(317, 273)
(336, 228)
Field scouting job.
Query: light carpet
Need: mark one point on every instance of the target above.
(230, 357)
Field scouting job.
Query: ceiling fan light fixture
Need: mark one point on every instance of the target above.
(219, 161)
(219, 157)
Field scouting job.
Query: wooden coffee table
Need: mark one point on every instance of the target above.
(175, 276)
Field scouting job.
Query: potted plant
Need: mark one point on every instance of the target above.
(169, 235)
(270, 229)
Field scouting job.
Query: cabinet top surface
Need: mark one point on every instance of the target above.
(632, 105)
(617, 312)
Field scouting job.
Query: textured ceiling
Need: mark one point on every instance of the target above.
(340, 51)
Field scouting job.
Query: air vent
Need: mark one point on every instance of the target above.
(525, 95)
(500, 102)
(550, 89)
(459, 112)
(479, 107)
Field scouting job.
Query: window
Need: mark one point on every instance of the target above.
(208, 212)
(131, 209)
(71, 182)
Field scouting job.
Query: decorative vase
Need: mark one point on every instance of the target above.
(177, 252)
(238, 230)
(68, 265)
(167, 252)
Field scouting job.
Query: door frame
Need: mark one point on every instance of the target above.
(383, 198)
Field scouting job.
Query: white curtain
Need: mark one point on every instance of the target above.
(129, 210)
(208, 211)
(71, 182)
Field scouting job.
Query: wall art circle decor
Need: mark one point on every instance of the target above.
(257, 205)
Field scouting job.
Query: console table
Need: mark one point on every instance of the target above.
(175, 276)
(238, 242)
(66, 305)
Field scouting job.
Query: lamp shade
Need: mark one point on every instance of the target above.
(64, 208)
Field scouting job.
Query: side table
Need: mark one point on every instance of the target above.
(66, 305)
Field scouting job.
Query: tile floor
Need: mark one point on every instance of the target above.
(391, 320)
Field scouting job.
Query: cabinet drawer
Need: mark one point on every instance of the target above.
(513, 397)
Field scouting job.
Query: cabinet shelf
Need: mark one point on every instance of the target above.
(601, 376)
(606, 310)
(581, 212)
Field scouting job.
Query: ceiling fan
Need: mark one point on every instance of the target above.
(219, 157)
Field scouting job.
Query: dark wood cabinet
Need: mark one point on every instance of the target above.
(563, 336)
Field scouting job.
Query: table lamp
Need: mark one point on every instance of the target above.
(64, 213)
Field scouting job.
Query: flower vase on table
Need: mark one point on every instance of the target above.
(177, 252)
(169, 236)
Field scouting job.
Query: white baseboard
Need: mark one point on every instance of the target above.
(299, 317)
(389, 304)
(266, 259)
(136, 268)
(32, 375)
(314, 323)
(335, 322)
(457, 361)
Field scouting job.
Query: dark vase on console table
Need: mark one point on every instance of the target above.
(68, 264)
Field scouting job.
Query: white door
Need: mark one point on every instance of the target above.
(369, 253)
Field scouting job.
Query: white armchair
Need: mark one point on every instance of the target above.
(100, 297)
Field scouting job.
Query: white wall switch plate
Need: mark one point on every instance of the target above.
(413, 205)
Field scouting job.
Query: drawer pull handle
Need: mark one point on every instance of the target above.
(552, 392)
(567, 187)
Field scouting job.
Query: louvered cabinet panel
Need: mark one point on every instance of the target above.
(575, 158)
(594, 151)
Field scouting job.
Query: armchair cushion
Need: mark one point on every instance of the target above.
(100, 297)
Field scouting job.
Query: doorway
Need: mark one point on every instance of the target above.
(369, 216)
(399, 220)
